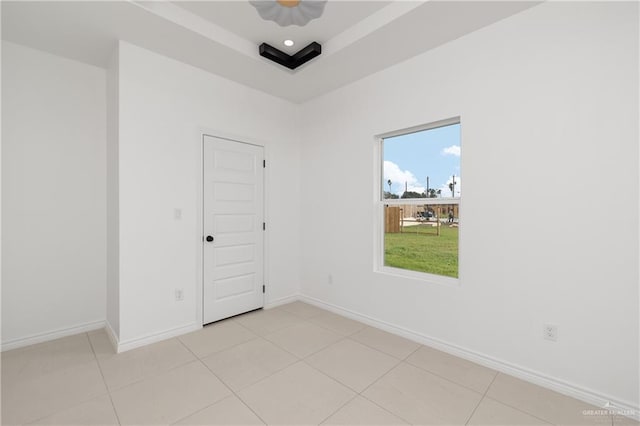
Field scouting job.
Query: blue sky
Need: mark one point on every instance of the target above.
(411, 158)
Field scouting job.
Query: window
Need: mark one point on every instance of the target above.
(419, 203)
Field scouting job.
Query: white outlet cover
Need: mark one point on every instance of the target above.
(550, 332)
(179, 295)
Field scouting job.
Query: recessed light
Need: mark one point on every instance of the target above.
(288, 43)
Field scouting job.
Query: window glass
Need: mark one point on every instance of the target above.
(420, 195)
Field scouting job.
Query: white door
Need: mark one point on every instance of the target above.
(233, 203)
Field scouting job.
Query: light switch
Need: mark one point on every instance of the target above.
(177, 214)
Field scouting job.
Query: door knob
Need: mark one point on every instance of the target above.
(209, 238)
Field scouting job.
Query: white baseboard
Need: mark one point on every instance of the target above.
(51, 335)
(281, 301)
(112, 335)
(123, 346)
(126, 345)
(625, 408)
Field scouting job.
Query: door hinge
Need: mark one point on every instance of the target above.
(264, 164)
(264, 226)
(262, 288)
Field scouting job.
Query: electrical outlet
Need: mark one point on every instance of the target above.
(330, 279)
(550, 332)
(179, 295)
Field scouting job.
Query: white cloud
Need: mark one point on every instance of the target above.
(452, 150)
(446, 192)
(398, 178)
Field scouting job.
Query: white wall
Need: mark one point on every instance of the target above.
(53, 195)
(163, 106)
(113, 229)
(549, 106)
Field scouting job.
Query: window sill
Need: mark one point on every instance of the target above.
(419, 276)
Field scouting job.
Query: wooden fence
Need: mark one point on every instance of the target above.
(392, 219)
(395, 215)
(411, 210)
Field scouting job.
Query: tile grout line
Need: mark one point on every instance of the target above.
(511, 406)
(307, 320)
(297, 360)
(323, 348)
(218, 351)
(374, 402)
(303, 360)
(400, 361)
(104, 380)
(330, 329)
(297, 357)
(224, 321)
(201, 410)
(519, 409)
(379, 350)
(339, 408)
(481, 399)
(213, 403)
(86, 333)
(341, 337)
(357, 394)
(234, 319)
(151, 376)
(447, 378)
(298, 315)
(233, 393)
(347, 337)
(384, 409)
(404, 361)
(328, 376)
(412, 352)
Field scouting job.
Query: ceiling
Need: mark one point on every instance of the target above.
(358, 37)
(241, 18)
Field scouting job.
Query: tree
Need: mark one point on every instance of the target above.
(390, 195)
(433, 193)
(412, 194)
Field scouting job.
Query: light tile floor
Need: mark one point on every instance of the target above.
(296, 364)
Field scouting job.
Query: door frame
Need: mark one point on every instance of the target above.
(199, 231)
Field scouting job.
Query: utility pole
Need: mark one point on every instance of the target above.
(452, 186)
(428, 195)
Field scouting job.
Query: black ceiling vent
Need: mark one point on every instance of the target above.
(292, 62)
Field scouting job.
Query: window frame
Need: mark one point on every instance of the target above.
(380, 202)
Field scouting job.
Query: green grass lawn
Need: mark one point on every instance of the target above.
(418, 248)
